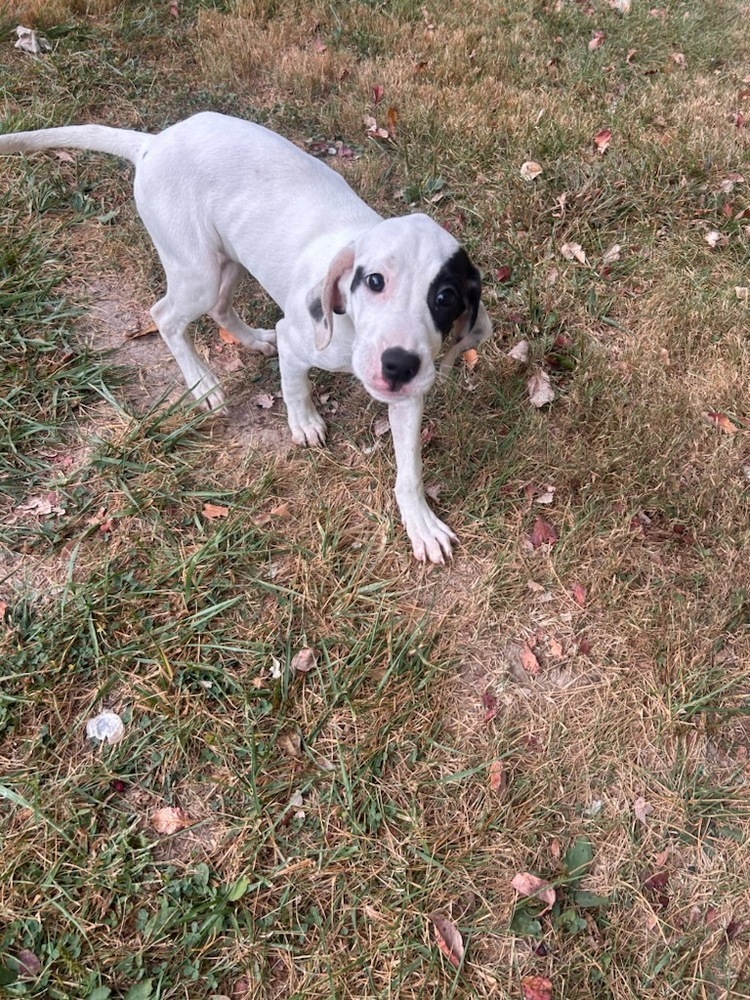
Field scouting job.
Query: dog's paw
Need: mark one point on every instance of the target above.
(431, 540)
(260, 341)
(210, 396)
(309, 431)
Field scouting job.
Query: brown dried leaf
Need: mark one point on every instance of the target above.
(597, 40)
(574, 251)
(602, 140)
(170, 819)
(448, 938)
(215, 510)
(378, 93)
(536, 988)
(264, 400)
(527, 884)
(530, 170)
(529, 661)
(542, 533)
(489, 702)
(304, 661)
(642, 809)
(722, 421)
(579, 594)
(498, 780)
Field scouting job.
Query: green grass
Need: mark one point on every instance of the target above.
(329, 813)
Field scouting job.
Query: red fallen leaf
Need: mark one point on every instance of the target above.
(448, 938)
(597, 40)
(733, 928)
(497, 776)
(543, 532)
(562, 342)
(489, 701)
(28, 963)
(503, 273)
(214, 510)
(378, 92)
(578, 592)
(602, 140)
(174, 8)
(527, 884)
(584, 645)
(722, 421)
(728, 209)
(657, 884)
(536, 988)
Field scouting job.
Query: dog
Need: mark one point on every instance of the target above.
(378, 297)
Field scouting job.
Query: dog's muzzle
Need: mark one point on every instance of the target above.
(398, 367)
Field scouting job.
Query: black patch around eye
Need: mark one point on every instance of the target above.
(357, 279)
(315, 309)
(459, 276)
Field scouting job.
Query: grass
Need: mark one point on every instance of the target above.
(326, 815)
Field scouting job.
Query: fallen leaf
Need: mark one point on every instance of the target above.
(714, 238)
(28, 963)
(520, 352)
(264, 400)
(574, 251)
(144, 331)
(602, 140)
(578, 592)
(527, 884)
(290, 743)
(448, 938)
(214, 510)
(392, 119)
(382, 426)
(170, 819)
(530, 170)
(597, 40)
(742, 292)
(471, 357)
(378, 92)
(722, 421)
(540, 389)
(227, 337)
(373, 128)
(304, 661)
(297, 803)
(64, 156)
(621, 6)
(44, 505)
(584, 645)
(536, 988)
(612, 255)
(319, 45)
(503, 274)
(542, 533)
(497, 776)
(642, 810)
(679, 58)
(489, 702)
(529, 661)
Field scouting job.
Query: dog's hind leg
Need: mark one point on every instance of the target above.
(189, 296)
(223, 313)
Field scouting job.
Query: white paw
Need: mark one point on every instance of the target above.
(261, 341)
(431, 540)
(309, 430)
(210, 396)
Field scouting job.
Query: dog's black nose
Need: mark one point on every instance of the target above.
(399, 366)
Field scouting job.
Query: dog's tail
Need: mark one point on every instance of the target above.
(99, 138)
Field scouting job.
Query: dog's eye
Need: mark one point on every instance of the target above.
(446, 298)
(375, 282)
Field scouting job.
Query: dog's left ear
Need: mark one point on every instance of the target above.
(465, 337)
(327, 297)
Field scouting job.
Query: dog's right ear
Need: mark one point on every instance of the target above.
(327, 297)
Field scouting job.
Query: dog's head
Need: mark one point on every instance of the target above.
(408, 287)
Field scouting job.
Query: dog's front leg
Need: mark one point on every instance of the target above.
(430, 538)
(305, 423)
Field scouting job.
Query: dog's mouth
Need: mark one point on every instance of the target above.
(384, 392)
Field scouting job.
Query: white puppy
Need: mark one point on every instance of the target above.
(221, 196)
